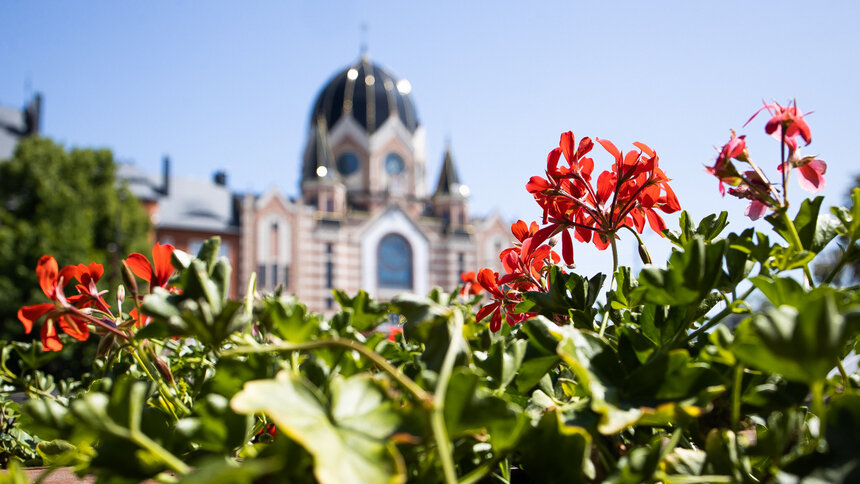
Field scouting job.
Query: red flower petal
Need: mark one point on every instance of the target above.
(140, 266)
(520, 230)
(585, 145)
(161, 261)
(47, 271)
(567, 147)
(645, 148)
(655, 221)
(30, 314)
(608, 146)
(552, 160)
(50, 340)
(74, 328)
(567, 248)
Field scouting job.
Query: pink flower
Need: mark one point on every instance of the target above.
(787, 118)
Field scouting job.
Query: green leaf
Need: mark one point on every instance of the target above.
(208, 252)
(709, 228)
(57, 452)
(690, 274)
(288, 319)
(849, 218)
(471, 409)
(815, 232)
(800, 345)
(342, 449)
(422, 315)
(557, 453)
(218, 470)
(364, 313)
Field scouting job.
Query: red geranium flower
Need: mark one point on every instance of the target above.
(627, 195)
(471, 286)
(156, 274)
(52, 281)
(505, 299)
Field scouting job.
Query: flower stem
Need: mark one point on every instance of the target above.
(611, 283)
(718, 317)
(736, 396)
(796, 243)
(437, 418)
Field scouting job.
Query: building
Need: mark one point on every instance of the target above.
(19, 123)
(364, 218)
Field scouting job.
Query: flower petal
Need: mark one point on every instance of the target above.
(161, 261)
(811, 176)
(140, 266)
(74, 328)
(47, 272)
(50, 340)
(567, 145)
(567, 247)
(608, 146)
(755, 210)
(30, 314)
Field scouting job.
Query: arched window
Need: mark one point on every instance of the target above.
(394, 262)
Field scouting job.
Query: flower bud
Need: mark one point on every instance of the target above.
(128, 279)
(163, 369)
(644, 255)
(120, 295)
(105, 344)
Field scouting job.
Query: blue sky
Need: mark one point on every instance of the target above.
(229, 85)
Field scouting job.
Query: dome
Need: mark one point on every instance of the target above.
(368, 93)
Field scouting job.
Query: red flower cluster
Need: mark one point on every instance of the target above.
(525, 264)
(626, 195)
(67, 313)
(787, 125)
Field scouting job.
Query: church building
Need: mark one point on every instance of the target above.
(364, 219)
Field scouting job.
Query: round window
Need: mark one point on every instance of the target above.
(347, 163)
(394, 164)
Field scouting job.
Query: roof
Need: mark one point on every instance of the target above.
(368, 93)
(12, 128)
(186, 203)
(449, 182)
(196, 204)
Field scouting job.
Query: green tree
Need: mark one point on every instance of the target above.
(848, 273)
(67, 203)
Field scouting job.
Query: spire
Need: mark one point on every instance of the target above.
(323, 166)
(449, 182)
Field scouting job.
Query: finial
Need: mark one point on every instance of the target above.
(363, 45)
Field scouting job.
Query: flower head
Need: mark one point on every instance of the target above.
(630, 193)
(52, 281)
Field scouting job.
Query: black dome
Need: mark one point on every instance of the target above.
(368, 93)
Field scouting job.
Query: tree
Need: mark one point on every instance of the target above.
(67, 203)
(829, 269)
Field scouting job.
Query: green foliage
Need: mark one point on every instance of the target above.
(62, 202)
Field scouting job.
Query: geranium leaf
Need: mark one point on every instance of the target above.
(343, 450)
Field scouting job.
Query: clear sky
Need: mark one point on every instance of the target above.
(229, 85)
